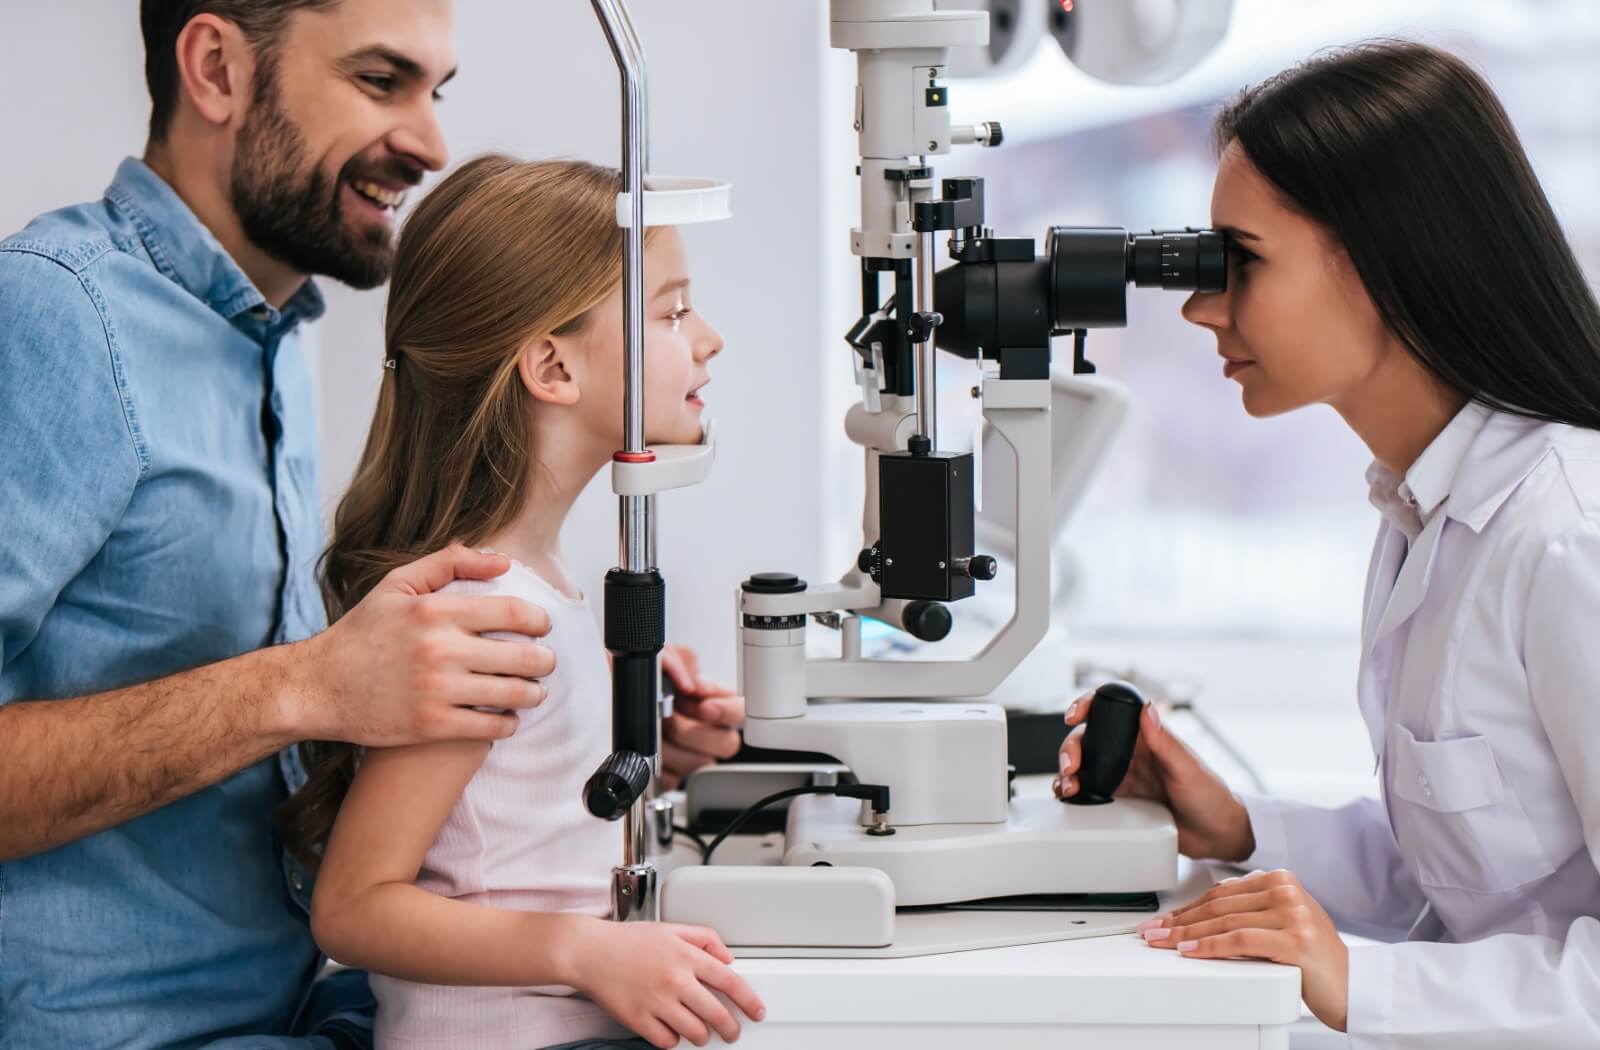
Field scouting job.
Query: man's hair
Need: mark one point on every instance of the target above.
(161, 21)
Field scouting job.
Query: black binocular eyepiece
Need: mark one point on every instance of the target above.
(1091, 268)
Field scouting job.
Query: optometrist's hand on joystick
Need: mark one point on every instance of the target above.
(1212, 822)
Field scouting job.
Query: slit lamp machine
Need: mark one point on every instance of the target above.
(908, 837)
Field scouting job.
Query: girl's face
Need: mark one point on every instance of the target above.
(679, 346)
(1295, 325)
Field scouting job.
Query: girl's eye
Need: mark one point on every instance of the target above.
(1241, 256)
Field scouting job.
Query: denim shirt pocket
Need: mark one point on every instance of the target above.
(1460, 818)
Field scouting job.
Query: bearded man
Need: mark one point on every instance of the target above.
(163, 646)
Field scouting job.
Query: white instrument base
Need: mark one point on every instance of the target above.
(734, 909)
(836, 893)
(1128, 845)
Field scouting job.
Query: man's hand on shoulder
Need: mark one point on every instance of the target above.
(407, 665)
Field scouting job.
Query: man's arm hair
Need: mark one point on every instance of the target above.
(70, 768)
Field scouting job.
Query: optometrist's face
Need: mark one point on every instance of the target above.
(1295, 326)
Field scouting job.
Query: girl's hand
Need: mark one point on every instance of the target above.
(1265, 915)
(657, 979)
(1212, 822)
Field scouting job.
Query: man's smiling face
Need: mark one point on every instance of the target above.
(342, 122)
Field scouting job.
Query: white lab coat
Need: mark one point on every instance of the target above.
(1480, 686)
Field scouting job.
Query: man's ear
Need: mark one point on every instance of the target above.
(215, 66)
(544, 372)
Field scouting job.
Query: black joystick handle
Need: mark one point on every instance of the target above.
(1110, 732)
(614, 787)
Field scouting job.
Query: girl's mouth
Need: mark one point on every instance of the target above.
(1231, 368)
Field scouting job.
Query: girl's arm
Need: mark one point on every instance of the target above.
(368, 912)
(655, 978)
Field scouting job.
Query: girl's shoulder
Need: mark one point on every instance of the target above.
(519, 581)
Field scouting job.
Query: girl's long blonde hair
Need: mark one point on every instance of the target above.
(501, 252)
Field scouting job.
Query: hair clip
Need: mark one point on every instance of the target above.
(388, 363)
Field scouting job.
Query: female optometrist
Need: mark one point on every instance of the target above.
(1394, 257)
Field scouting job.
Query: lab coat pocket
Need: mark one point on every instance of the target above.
(1460, 818)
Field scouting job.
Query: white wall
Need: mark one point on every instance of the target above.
(738, 89)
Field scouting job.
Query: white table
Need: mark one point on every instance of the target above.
(1100, 992)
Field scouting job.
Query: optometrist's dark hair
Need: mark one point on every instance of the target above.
(1405, 154)
(161, 21)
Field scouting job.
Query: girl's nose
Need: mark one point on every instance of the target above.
(709, 345)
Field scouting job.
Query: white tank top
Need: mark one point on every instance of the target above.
(519, 838)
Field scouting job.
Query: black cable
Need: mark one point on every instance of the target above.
(877, 794)
(679, 829)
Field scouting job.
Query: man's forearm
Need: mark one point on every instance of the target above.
(70, 768)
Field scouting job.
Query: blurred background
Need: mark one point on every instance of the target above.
(1216, 550)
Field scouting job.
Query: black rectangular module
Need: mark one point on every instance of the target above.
(925, 514)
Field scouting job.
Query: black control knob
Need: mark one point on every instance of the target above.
(929, 621)
(616, 785)
(979, 567)
(1110, 733)
(870, 561)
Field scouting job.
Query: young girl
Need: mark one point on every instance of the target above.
(467, 877)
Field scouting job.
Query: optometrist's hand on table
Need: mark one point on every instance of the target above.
(704, 727)
(1265, 915)
(1212, 823)
(407, 665)
(657, 978)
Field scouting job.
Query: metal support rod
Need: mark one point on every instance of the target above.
(635, 144)
(927, 355)
(633, 886)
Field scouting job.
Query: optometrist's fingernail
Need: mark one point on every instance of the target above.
(1155, 716)
(1157, 933)
(1072, 710)
(1188, 946)
(1066, 763)
(1055, 787)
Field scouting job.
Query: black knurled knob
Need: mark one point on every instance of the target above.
(928, 621)
(616, 785)
(981, 567)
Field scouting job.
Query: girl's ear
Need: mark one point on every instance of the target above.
(544, 372)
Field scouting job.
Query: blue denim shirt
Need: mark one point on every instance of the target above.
(158, 464)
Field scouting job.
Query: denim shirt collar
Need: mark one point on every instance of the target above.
(189, 255)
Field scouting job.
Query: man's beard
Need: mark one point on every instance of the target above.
(295, 216)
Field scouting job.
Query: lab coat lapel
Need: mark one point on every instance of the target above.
(1388, 554)
(1412, 584)
(1372, 691)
